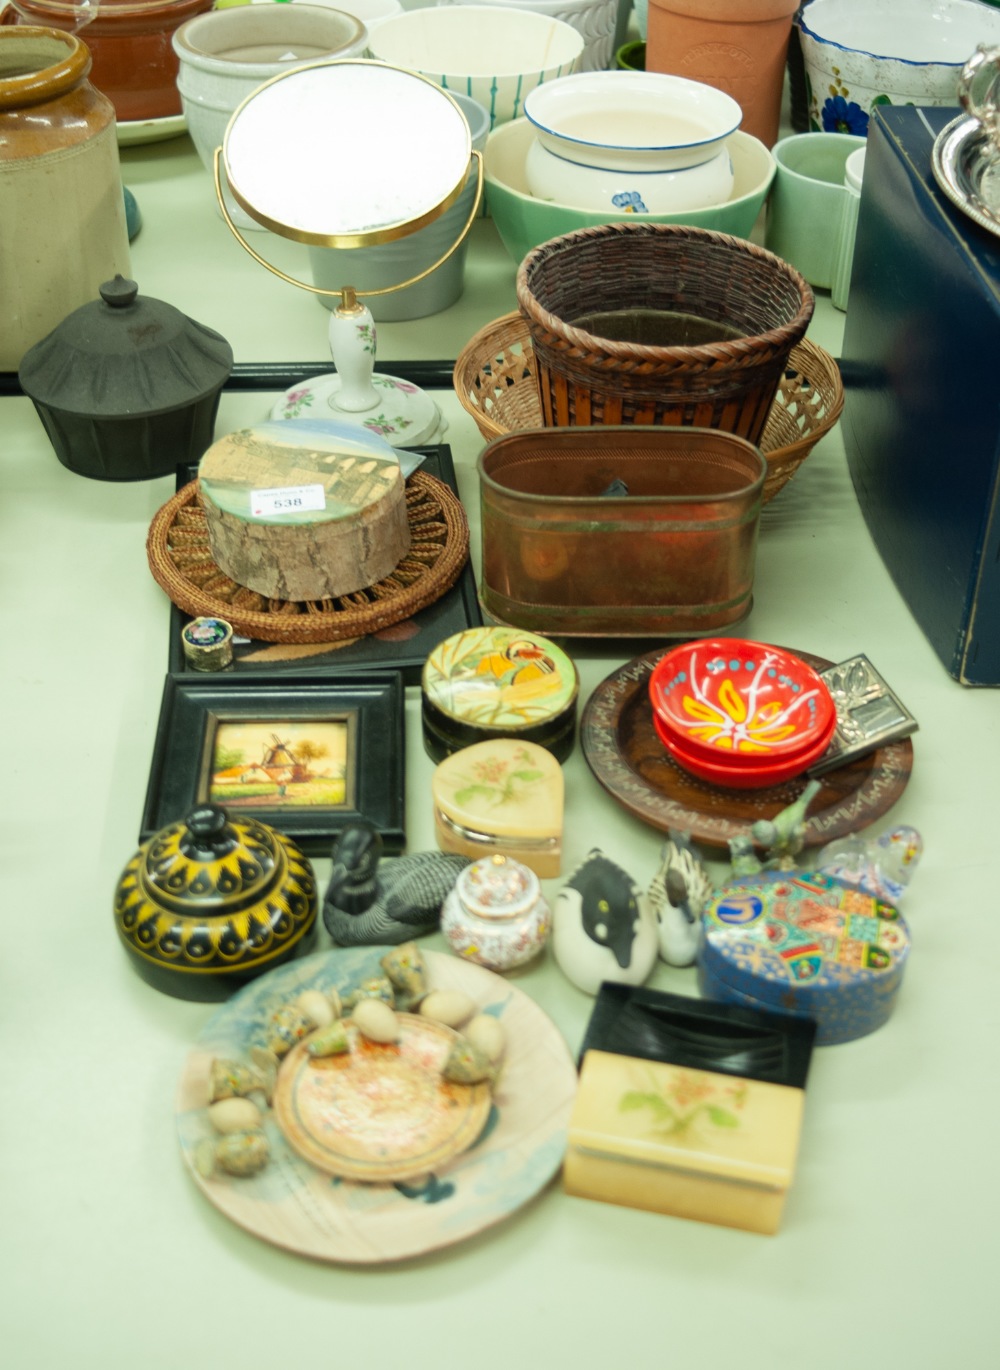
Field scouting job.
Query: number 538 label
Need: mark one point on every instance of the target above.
(286, 499)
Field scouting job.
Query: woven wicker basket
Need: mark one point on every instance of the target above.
(495, 381)
(759, 308)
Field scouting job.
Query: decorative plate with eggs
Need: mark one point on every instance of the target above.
(269, 1097)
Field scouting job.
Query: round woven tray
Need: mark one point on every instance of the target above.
(180, 559)
(495, 380)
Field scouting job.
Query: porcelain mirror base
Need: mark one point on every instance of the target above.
(401, 413)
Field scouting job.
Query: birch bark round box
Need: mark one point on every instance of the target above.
(304, 510)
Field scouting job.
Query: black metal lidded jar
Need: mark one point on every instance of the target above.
(127, 387)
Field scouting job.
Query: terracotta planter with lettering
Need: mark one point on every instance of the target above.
(740, 46)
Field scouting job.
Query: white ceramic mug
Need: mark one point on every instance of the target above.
(854, 171)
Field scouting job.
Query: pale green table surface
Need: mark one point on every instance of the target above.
(112, 1257)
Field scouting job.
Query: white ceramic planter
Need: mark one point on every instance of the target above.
(629, 192)
(902, 52)
(367, 268)
(593, 19)
(225, 55)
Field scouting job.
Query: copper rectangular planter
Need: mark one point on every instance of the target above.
(674, 556)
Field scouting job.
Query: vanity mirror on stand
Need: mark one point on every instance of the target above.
(398, 154)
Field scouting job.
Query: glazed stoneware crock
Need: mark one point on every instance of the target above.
(57, 149)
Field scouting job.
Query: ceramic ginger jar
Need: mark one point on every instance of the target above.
(496, 914)
(211, 901)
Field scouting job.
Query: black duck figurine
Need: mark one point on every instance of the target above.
(372, 902)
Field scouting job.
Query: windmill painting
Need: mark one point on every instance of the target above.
(281, 763)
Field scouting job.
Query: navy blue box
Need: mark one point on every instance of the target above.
(921, 365)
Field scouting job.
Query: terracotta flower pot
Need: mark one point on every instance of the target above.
(740, 46)
(134, 64)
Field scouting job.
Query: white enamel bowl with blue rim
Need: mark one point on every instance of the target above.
(632, 120)
(642, 142)
(859, 54)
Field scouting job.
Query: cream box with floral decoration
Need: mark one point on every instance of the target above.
(501, 796)
(692, 1143)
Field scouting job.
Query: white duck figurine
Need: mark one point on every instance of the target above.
(679, 891)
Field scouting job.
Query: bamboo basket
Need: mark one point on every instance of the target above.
(757, 307)
(495, 381)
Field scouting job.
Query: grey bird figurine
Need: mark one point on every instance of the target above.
(677, 895)
(373, 902)
(783, 837)
(742, 856)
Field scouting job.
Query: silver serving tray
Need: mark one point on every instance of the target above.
(966, 166)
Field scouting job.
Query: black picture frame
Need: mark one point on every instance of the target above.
(370, 707)
(456, 610)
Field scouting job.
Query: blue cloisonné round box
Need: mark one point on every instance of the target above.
(804, 944)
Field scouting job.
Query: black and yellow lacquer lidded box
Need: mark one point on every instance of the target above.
(210, 902)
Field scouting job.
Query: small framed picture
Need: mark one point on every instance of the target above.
(306, 756)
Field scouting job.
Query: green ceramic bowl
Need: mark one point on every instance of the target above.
(524, 221)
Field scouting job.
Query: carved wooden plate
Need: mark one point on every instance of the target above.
(625, 754)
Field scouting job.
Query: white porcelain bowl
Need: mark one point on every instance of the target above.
(552, 177)
(226, 54)
(859, 53)
(494, 55)
(594, 19)
(642, 121)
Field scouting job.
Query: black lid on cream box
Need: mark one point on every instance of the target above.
(699, 1034)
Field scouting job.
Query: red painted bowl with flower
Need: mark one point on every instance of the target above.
(732, 701)
(729, 773)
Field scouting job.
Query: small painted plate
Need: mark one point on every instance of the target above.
(379, 1113)
(295, 1205)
